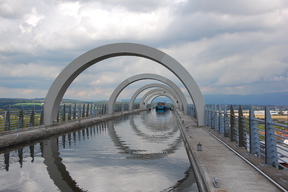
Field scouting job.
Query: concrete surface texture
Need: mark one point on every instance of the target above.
(217, 161)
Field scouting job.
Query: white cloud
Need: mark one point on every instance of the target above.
(225, 46)
(29, 70)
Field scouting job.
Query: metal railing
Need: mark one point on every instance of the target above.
(13, 119)
(191, 110)
(261, 137)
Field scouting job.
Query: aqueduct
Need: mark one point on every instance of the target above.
(180, 102)
(139, 77)
(77, 66)
(156, 92)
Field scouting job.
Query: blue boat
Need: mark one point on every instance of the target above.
(162, 106)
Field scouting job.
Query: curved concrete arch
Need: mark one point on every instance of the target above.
(163, 92)
(180, 102)
(158, 94)
(139, 77)
(66, 77)
(153, 92)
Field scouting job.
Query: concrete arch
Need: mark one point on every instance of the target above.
(154, 92)
(65, 78)
(161, 91)
(180, 102)
(158, 94)
(139, 77)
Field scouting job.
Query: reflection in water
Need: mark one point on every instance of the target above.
(133, 153)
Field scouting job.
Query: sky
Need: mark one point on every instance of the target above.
(228, 47)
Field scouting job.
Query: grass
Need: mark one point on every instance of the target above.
(27, 104)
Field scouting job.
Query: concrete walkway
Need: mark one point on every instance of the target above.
(217, 161)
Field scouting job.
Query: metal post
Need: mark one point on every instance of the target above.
(226, 122)
(69, 112)
(74, 112)
(221, 121)
(232, 124)
(7, 120)
(79, 111)
(212, 116)
(32, 117)
(241, 140)
(58, 115)
(21, 118)
(83, 111)
(87, 110)
(64, 113)
(270, 140)
(206, 114)
(254, 141)
(42, 116)
(216, 118)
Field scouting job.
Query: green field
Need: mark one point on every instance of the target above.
(27, 104)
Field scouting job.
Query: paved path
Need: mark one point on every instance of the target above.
(216, 160)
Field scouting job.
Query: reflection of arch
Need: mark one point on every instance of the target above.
(134, 153)
(180, 100)
(139, 77)
(160, 92)
(56, 169)
(65, 78)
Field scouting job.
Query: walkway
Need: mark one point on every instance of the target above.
(217, 161)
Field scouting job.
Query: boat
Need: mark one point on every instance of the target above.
(162, 106)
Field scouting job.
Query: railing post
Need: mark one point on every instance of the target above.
(221, 121)
(64, 113)
(226, 122)
(206, 114)
(103, 109)
(232, 124)
(69, 112)
(87, 110)
(32, 117)
(254, 141)
(270, 140)
(216, 118)
(212, 116)
(74, 112)
(93, 110)
(21, 118)
(83, 111)
(42, 116)
(7, 119)
(79, 111)
(241, 138)
(58, 114)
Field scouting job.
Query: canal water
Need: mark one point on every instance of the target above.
(140, 152)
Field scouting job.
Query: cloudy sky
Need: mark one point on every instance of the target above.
(229, 47)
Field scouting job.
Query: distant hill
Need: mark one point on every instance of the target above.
(16, 103)
(255, 99)
(280, 99)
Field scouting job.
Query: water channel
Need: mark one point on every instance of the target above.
(140, 152)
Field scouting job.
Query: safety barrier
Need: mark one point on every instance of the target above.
(262, 137)
(13, 119)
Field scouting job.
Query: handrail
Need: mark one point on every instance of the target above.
(261, 137)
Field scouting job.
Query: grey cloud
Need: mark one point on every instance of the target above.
(214, 40)
(236, 7)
